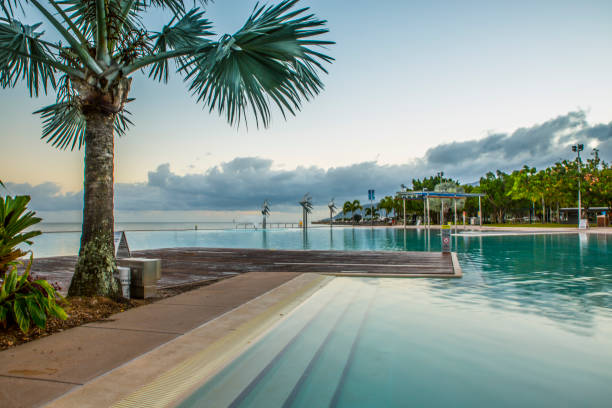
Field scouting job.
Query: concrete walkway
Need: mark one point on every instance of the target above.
(38, 372)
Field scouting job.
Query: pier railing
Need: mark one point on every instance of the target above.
(269, 225)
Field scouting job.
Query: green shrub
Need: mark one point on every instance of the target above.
(14, 220)
(25, 301)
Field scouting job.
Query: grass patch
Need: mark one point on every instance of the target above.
(536, 225)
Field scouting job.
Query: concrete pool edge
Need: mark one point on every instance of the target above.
(201, 352)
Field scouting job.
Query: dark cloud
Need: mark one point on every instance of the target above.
(243, 183)
(537, 146)
(47, 196)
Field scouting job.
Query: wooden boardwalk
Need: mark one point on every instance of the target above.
(369, 263)
(184, 266)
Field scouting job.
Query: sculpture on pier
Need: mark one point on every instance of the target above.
(306, 204)
(332, 210)
(265, 211)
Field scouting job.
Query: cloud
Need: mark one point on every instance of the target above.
(47, 196)
(537, 146)
(244, 182)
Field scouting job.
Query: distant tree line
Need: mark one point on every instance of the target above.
(524, 193)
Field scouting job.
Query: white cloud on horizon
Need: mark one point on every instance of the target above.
(244, 182)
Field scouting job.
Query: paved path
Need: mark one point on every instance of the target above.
(35, 373)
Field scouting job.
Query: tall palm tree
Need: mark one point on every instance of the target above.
(271, 60)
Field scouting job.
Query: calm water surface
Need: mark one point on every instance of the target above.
(529, 324)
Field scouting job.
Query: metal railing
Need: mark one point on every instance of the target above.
(269, 225)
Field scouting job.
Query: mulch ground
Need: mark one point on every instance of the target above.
(83, 310)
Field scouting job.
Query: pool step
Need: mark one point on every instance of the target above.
(298, 337)
(274, 385)
(321, 382)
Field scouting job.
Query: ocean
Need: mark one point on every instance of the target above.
(140, 226)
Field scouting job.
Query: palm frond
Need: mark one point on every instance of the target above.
(269, 58)
(24, 56)
(190, 31)
(9, 7)
(64, 124)
(176, 6)
(83, 14)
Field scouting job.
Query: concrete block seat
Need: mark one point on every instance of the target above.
(145, 273)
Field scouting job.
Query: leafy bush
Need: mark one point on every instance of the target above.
(14, 220)
(23, 300)
(26, 301)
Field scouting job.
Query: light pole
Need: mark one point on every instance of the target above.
(371, 197)
(440, 175)
(425, 209)
(404, 204)
(578, 148)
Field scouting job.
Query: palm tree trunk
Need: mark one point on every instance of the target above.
(96, 262)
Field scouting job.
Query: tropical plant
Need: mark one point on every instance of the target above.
(271, 60)
(524, 185)
(347, 207)
(496, 186)
(369, 211)
(26, 301)
(14, 220)
(356, 205)
(387, 204)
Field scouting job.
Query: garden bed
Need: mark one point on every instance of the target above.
(83, 310)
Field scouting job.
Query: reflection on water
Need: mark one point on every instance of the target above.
(565, 277)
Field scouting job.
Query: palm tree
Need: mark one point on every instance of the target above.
(387, 204)
(356, 205)
(346, 208)
(369, 211)
(272, 58)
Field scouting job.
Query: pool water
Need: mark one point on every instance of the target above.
(380, 342)
(529, 324)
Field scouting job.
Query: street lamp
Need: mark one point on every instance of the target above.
(425, 214)
(403, 186)
(578, 148)
(440, 175)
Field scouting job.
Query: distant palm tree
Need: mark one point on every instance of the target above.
(387, 204)
(270, 60)
(347, 208)
(356, 205)
(369, 211)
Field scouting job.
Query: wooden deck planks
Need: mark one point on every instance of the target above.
(181, 266)
(217, 260)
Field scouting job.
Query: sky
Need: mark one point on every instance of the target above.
(415, 88)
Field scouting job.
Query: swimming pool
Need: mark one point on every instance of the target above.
(379, 342)
(529, 324)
